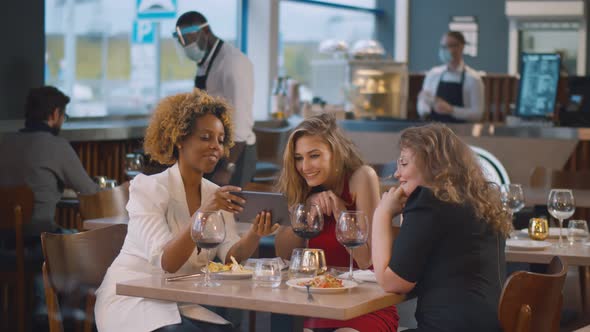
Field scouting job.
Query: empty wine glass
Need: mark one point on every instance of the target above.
(133, 164)
(561, 205)
(307, 220)
(512, 197)
(208, 231)
(352, 230)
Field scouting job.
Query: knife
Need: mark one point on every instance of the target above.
(183, 277)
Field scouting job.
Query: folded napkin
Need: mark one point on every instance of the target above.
(362, 275)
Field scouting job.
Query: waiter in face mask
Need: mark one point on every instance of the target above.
(225, 72)
(453, 92)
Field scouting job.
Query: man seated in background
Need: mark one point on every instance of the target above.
(37, 157)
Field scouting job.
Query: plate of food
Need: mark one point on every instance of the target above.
(322, 284)
(233, 270)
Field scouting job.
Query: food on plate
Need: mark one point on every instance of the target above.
(234, 266)
(326, 281)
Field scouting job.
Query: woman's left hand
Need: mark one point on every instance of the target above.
(263, 226)
(334, 204)
(393, 201)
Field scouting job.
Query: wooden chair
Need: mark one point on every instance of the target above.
(104, 204)
(270, 143)
(75, 265)
(16, 209)
(532, 301)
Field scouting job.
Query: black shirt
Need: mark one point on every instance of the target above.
(456, 260)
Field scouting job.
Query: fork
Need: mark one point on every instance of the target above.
(309, 296)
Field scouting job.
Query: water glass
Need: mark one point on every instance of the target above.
(304, 264)
(538, 229)
(101, 180)
(267, 273)
(512, 197)
(561, 205)
(577, 231)
(133, 164)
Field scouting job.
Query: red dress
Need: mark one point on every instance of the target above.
(336, 255)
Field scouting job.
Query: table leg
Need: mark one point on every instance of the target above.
(584, 275)
(287, 323)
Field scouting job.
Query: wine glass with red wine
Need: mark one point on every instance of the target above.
(208, 232)
(352, 231)
(307, 220)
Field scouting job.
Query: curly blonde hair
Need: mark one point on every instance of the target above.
(452, 171)
(345, 156)
(174, 120)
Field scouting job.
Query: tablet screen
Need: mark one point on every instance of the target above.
(257, 201)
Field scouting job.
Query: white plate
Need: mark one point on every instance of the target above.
(527, 244)
(347, 284)
(230, 274)
(553, 232)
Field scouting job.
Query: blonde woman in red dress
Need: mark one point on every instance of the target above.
(322, 166)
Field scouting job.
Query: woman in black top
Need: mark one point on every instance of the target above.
(450, 249)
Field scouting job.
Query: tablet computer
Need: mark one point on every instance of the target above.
(257, 201)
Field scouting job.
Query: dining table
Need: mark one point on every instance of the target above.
(284, 300)
(577, 254)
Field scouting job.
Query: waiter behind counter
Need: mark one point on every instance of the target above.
(453, 92)
(223, 71)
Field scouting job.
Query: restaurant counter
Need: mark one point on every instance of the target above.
(103, 143)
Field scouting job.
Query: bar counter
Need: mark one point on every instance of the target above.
(519, 147)
(134, 128)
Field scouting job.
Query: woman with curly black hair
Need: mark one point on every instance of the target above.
(191, 132)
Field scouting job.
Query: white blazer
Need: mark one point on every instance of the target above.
(157, 211)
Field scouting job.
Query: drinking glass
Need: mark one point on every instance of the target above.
(577, 231)
(208, 231)
(352, 230)
(133, 164)
(267, 273)
(307, 220)
(561, 205)
(538, 228)
(512, 197)
(101, 180)
(304, 264)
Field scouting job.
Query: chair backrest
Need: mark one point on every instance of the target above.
(271, 143)
(542, 177)
(105, 203)
(16, 206)
(532, 301)
(80, 261)
(491, 166)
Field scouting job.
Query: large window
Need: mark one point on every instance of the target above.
(304, 24)
(99, 56)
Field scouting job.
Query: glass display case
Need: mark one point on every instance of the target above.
(368, 87)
